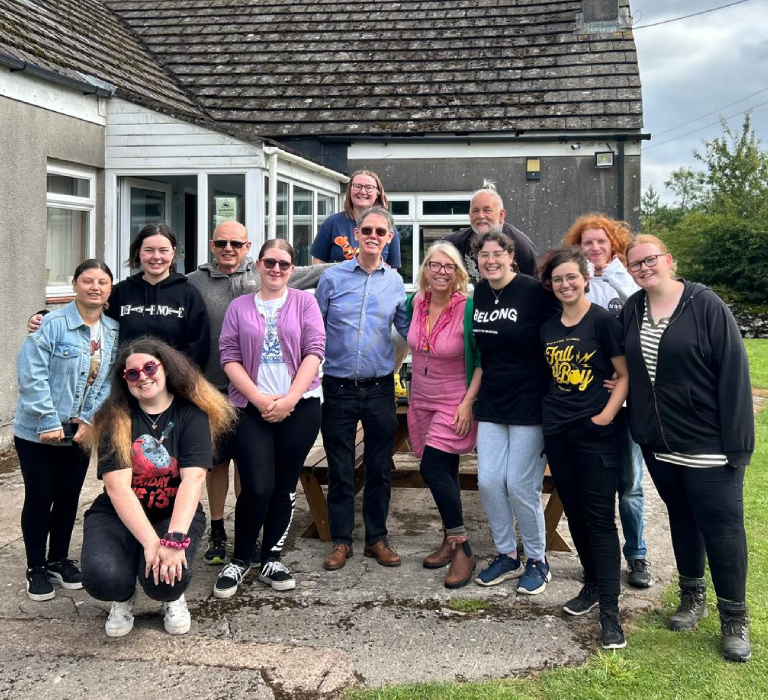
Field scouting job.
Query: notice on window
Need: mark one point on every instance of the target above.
(226, 209)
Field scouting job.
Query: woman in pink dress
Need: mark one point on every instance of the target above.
(446, 379)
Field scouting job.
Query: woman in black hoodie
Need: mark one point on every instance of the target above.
(159, 301)
(690, 409)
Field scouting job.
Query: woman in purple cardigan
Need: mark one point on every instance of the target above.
(271, 346)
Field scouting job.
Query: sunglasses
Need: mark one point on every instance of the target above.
(133, 374)
(368, 230)
(235, 244)
(270, 263)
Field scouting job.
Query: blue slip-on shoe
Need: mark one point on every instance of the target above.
(535, 578)
(501, 568)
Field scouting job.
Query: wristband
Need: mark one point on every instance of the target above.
(183, 544)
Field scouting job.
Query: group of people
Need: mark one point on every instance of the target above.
(593, 358)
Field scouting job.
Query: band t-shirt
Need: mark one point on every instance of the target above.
(579, 358)
(506, 327)
(182, 439)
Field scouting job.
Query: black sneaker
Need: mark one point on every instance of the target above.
(66, 573)
(587, 599)
(230, 578)
(639, 573)
(275, 574)
(39, 586)
(612, 636)
(217, 549)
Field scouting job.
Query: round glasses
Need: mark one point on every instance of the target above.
(133, 374)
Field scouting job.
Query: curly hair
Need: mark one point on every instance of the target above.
(112, 423)
(558, 256)
(618, 232)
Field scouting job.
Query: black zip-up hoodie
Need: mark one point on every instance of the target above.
(172, 310)
(702, 399)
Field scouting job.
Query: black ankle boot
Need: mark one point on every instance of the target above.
(734, 625)
(693, 604)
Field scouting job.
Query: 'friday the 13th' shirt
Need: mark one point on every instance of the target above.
(182, 439)
(579, 358)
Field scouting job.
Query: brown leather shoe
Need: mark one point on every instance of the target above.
(382, 552)
(338, 556)
(442, 556)
(462, 566)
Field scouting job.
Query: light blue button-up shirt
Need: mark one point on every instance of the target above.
(359, 310)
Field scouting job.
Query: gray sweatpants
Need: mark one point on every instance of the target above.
(510, 472)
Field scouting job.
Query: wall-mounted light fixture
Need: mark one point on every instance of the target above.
(604, 159)
(533, 168)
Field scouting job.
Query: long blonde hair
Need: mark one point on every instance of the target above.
(460, 279)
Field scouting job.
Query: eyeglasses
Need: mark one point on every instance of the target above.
(133, 374)
(380, 232)
(650, 261)
(356, 187)
(270, 263)
(496, 255)
(235, 244)
(435, 266)
(560, 281)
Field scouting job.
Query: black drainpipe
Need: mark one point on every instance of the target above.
(620, 172)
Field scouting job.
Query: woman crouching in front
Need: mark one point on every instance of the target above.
(583, 430)
(154, 437)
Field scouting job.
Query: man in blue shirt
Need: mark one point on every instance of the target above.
(360, 300)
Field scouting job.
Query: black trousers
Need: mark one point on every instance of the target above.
(113, 558)
(53, 478)
(269, 459)
(584, 460)
(706, 520)
(440, 471)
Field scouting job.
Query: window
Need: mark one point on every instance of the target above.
(71, 204)
(422, 219)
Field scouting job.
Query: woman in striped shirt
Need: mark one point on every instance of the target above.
(690, 407)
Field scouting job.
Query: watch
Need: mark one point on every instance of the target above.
(175, 536)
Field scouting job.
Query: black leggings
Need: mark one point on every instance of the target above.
(440, 471)
(706, 519)
(53, 478)
(269, 458)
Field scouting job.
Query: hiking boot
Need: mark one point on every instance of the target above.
(535, 578)
(120, 620)
(39, 586)
(693, 605)
(230, 577)
(338, 556)
(383, 552)
(66, 573)
(501, 568)
(587, 599)
(177, 619)
(612, 635)
(275, 574)
(638, 573)
(442, 556)
(462, 566)
(734, 626)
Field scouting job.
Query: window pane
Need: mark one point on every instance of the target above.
(452, 207)
(431, 234)
(405, 231)
(71, 186)
(226, 199)
(325, 207)
(303, 223)
(282, 208)
(66, 245)
(399, 208)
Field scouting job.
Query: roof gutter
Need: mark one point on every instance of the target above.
(305, 163)
(512, 136)
(16, 65)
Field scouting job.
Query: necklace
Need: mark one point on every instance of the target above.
(497, 296)
(154, 422)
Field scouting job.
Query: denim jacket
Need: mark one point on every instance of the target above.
(53, 366)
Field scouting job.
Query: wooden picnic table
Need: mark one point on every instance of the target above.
(314, 476)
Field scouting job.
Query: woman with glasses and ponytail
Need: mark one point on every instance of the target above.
(154, 435)
(271, 346)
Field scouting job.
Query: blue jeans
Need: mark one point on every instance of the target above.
(374, 405)
(631, 500)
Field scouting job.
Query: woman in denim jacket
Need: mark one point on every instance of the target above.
(63, 375)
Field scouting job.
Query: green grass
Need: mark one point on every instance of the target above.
(469, 605)
(657, 664)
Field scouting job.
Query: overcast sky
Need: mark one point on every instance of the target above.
(694, 66)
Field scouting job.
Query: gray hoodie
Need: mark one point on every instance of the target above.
(219, 289)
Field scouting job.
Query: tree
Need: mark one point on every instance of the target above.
(688, 185)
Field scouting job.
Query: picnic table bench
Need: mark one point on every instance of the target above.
(314, 476)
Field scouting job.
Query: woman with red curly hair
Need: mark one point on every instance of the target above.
(604, 241)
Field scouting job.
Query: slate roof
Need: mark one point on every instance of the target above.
(334, 67)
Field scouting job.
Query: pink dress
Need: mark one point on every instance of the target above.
(437, 393)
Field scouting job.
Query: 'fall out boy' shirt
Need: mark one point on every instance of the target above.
(580, 361)
(157, 456)
(515, 375)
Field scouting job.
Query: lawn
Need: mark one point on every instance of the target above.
(657, 664)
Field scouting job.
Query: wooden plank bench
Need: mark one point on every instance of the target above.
(314, 476)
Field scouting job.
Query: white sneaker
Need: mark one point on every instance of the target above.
(120, 620)
(177, 618)
(275, 574)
